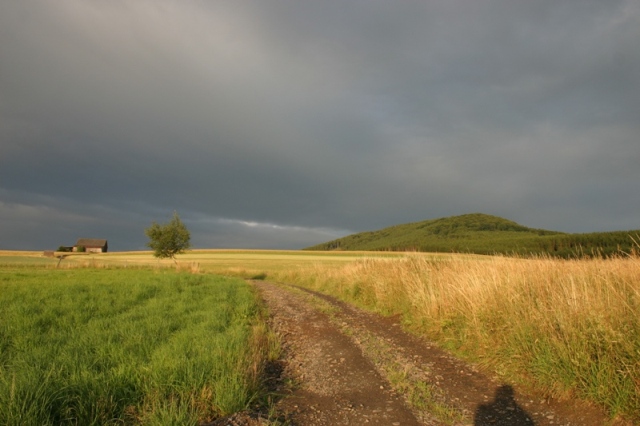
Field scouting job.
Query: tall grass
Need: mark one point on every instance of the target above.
(570, 326)
(96, 347)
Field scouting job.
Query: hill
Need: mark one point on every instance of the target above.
(483, 234)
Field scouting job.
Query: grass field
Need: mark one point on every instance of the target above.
(115, 346)
(567, 326)
(485, 234)
(239, 263)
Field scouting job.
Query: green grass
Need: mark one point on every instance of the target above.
(93, 347)
(566, 327)
(484, 234)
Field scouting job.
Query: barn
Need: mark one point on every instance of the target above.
(92, 245)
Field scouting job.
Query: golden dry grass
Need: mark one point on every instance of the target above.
(571, 325)
(240, 263)
(20, 253)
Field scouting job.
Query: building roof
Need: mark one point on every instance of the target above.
(91, 242)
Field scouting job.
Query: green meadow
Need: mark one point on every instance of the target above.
(485, 234)
(129, 339)
(126, 346)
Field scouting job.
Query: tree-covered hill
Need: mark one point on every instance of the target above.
(483, 234)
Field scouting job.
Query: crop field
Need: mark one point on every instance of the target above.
(126, 346)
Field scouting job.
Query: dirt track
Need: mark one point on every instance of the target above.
(344, 366)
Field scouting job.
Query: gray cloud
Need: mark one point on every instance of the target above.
(314, 119)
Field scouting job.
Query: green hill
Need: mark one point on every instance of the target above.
(483, 234)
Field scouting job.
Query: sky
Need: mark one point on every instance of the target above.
(283, 124)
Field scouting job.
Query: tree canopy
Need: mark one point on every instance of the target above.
(168, 240)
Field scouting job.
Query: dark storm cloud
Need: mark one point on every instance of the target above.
(283, 124)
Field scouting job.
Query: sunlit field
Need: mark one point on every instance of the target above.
(126, 346)
(569, 327)
(24, 258)
(240, 263)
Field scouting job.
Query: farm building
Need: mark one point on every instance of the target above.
(92, 245)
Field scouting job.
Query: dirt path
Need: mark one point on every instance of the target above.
(344, 366)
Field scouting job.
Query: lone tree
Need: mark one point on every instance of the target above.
(169, 239)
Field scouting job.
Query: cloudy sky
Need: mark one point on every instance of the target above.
(282, 124)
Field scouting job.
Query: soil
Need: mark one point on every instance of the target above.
(345, 366)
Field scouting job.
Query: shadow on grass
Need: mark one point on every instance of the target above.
(260, 277)
(502, 411)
